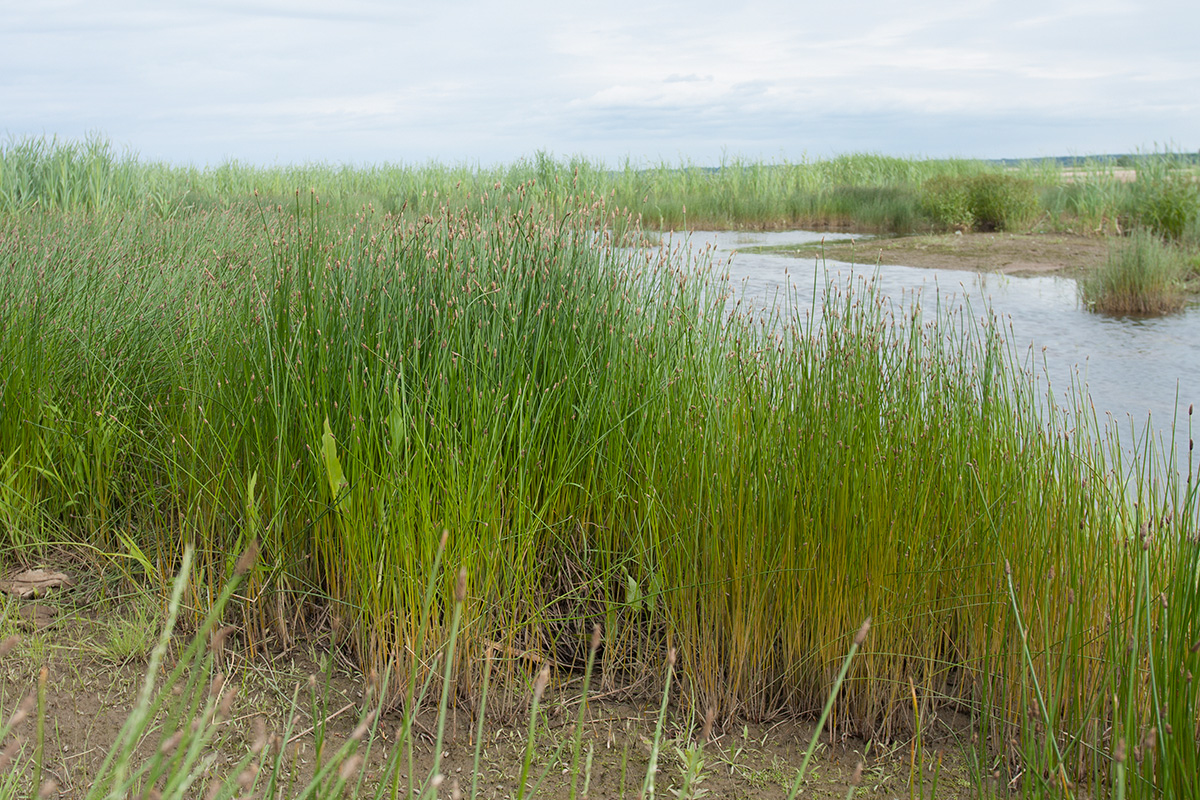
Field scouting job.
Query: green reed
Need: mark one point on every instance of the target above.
(862, 190)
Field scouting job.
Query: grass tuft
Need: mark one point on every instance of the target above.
(1143, 275)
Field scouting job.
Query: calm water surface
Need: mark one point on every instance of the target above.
(1135, 370)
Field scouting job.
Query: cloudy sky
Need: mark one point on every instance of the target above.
(484, 82)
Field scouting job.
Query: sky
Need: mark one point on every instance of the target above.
(362, 82)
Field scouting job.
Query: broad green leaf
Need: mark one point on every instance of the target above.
(333, 467)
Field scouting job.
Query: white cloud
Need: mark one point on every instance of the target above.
(485, 81)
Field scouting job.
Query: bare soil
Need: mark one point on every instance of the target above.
(1007, 253)
(95, 655)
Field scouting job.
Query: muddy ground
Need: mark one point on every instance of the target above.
(1008, 253)
(95, 651)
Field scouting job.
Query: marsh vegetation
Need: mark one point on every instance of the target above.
(330, 378)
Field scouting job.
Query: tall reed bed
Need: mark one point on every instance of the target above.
(606, 444)
(861, 190)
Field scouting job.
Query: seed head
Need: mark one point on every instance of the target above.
(260, 736)
(247, 777)
(8, 644)
(861, 636)
(350, 767)
(709, 719)
(460, 586)
(595, 637)
(23, 711)
(360, 731)
(539, 686)
(225, 709)
(168, 746)
(247, 560)
(9, 753)
(217, 643)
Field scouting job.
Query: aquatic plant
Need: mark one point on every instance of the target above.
(1143, 275)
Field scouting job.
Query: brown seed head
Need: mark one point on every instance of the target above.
(360, 730)
(23, 711)
(168, 746)
(247, 559)
(1007, 567)
(350, 767)
(49, 789)
(8, 644)
(460, 586)
(247, 777)
(217, 642)
(856, 778)
(225, 709)
(671, 654)
(261, 739)
(9, 753)
(1119, 752)
(861, 636)
(595, 637)
(543, 678)
(709, 718)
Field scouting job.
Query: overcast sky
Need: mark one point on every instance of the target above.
(484, 82)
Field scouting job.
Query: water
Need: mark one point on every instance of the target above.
(1136, 370)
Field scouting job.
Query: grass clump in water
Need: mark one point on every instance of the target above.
(1143, 275)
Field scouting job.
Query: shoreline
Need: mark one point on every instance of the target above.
(1019, 254)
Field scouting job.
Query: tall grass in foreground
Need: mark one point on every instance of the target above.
(607, 444)
(1143, 275)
